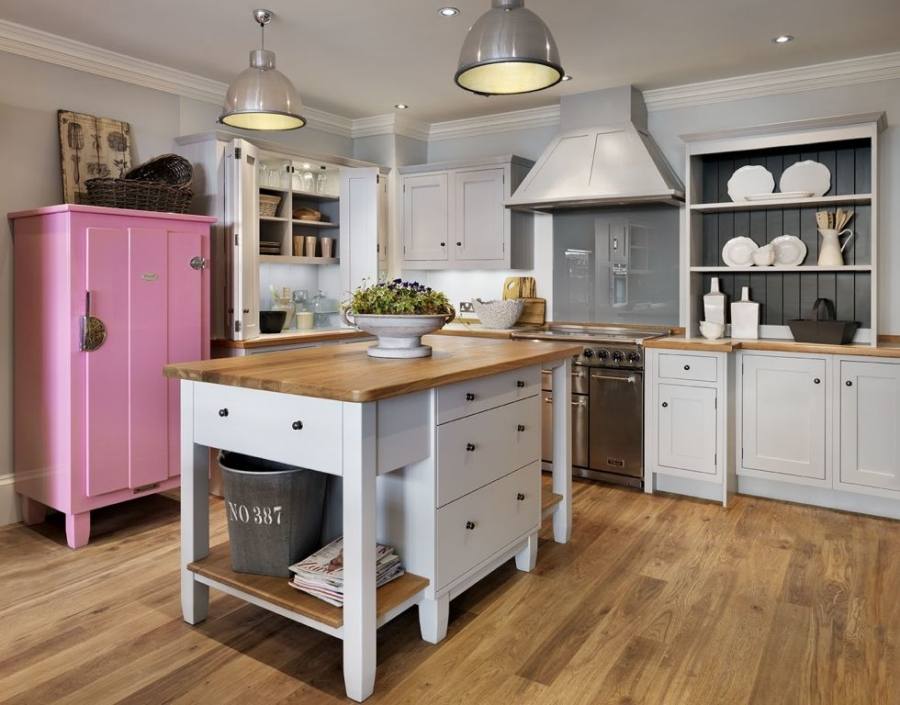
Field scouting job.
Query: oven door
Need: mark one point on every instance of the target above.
(580, 429)
(617, 422)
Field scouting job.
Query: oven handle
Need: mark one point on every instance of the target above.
(574, 402)
(631, 379)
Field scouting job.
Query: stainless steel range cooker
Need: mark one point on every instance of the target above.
(607, 401)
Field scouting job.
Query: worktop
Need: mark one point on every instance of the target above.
(292, 337)
(346, 373)
(885, 348)
(475, 329)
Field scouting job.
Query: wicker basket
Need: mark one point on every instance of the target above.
(161, 184)
(268, 205)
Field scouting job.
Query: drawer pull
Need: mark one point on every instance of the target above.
(223, 413)
(848, 383)
(470, 525)
(817, 381)
(470, 396)
(665, 404)
(470, 447)
(520, 384)
(520, 496)
(297, 425)
(687, 368)
(520, 428)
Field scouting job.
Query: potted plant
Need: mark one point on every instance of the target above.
(398, 313)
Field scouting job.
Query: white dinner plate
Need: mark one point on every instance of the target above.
(778, 195)
(790, 251)
(738, 252)
(806, 176)
(750, 180)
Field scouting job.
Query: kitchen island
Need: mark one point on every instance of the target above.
(439, 457)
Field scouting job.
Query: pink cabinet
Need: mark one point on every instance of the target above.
(98, 426)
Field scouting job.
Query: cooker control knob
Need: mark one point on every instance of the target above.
(634, 357)
(617, 356)
(602, 354)
(588, 353)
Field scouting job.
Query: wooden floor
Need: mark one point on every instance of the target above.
(657, 600)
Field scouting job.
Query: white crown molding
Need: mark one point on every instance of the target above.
(390, 124)
(545, 116)
(867, 69)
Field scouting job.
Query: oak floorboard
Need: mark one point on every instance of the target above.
(657, 600)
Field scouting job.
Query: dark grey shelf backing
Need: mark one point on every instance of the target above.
(790, 295)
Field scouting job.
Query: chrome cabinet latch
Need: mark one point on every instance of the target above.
(93, 330)
(198, 263)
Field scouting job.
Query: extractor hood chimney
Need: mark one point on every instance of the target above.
(603, 156)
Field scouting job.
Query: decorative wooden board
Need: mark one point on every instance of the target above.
(91, 147)
(346, 373)
(217, 566)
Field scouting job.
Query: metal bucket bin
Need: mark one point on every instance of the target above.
(274, 513)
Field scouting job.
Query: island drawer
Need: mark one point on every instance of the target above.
(286, 428)
(476, 450)
(696, 368)
(475, 527)
(461, 399)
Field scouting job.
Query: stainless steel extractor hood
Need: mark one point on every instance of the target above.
(603, 156)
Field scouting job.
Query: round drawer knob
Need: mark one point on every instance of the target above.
(297, 425)
(817, 381)
(459, 244)
(470, 525)
(443, 244)
(223, 413)
(520, 428)
(520, 384)
(687, 368)
(848, 383)
(470, 447)
(470, 396)
(665, 404)
(520, 496)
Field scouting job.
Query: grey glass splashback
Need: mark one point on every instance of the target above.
(616, 265)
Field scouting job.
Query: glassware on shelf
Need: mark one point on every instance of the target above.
(321, 180)
(296, 181)
(308, 180)
(283, 300)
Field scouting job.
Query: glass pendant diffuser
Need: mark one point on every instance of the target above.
(508, 50)
(261, 97)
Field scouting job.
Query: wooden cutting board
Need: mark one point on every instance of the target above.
(519, 288)
(534, 312)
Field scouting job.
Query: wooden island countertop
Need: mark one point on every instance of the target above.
(346, 373)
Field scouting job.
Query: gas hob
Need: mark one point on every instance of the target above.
(604, 346)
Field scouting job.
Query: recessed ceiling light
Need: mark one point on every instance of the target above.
(401, 106)
(783, 39)
(567, 77)
(448, 11)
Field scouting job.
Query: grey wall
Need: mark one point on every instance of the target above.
(528, 143)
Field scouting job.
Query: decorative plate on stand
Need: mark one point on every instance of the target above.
(750, 180)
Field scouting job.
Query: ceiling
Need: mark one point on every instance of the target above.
(359, 57)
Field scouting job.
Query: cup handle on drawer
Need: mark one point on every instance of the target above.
(470, 525)
(520, 496)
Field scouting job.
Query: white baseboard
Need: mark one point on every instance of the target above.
(692, 488)
(10, 512)
(820, 497)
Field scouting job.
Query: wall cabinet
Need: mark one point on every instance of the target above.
(454, 216)
(105, 298)
(784, 416)
(869, 418)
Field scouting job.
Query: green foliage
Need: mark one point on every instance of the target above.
(398, 297)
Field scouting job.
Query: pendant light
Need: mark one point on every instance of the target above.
(508, 50)
(261, 97)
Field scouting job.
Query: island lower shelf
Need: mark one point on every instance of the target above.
(215, 570)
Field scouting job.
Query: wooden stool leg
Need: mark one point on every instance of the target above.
(78, 529)
(32, 512)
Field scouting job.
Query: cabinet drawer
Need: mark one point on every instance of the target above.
(472, 396)
(696, 368)
(476, 450)
(283, 427)
(476, 526)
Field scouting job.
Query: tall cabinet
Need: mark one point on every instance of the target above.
(253, 252)
(104, 299)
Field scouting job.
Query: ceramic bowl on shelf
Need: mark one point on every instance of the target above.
(764, 256)
(271, 321)
(712, 330)
(738, 252)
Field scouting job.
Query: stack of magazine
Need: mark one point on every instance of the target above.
(322, 573)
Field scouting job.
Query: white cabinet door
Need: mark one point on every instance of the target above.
(870, 424)
(479, 216)
(784, 415)
(687, 427)
(426, 214)
(360, 202)
(242, 227)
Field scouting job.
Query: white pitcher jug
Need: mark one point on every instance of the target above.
(831, 248)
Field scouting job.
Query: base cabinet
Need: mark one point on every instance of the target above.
(784, 415)
(686, 428)
(869, 418)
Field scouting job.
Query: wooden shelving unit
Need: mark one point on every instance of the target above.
(312, 196)
(314, 223)
(290, 259)
(267, 591)
(848, 146)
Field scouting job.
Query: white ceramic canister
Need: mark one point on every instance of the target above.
(714, 303)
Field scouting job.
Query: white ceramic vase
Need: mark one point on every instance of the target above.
(714, 303)
(745, 316)
(831, 250)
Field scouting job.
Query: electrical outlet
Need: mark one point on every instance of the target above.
(466, 307)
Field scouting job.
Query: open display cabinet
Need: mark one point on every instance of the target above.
(848, 147)
(258, 249)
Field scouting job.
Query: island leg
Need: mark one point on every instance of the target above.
(433, 618)
(359, 470)
(562, 450)
(526, 559)
(194, 511)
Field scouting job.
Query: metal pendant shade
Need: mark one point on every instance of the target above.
(508, 50)
(261, 97)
